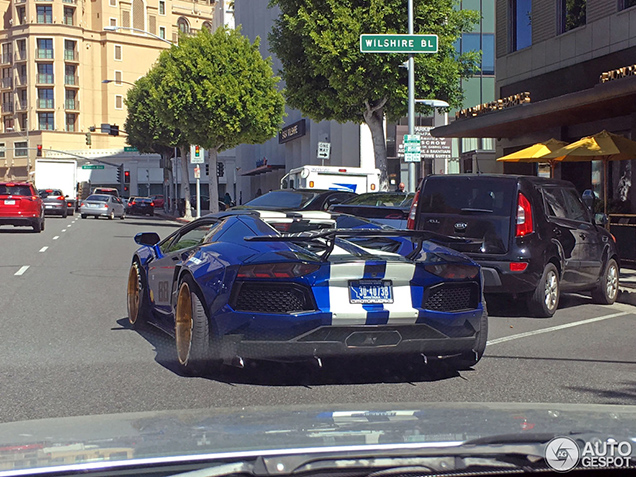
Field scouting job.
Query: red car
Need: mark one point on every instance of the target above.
(20, 205)
(159, 201)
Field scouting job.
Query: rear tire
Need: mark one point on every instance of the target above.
(470, 359)
(83, 216)
(544, 302)
(607, 290)
(38, 226)
(192, 330)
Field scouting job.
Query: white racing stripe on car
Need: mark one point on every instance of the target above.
(343, 311)
(401, 311)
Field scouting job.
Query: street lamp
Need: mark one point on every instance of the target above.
(106, 81)
(138, 30)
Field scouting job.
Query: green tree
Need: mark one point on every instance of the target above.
(219, 90)
(146, 131)
(328, 78)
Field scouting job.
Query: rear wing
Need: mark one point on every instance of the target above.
(328, 237)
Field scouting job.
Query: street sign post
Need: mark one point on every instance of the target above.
(398, 43)
(412, 151)
(197, 176)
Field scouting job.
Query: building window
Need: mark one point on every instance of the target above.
(152, 24)
(22, 99)
(113, 22)
(113, 3)
(7, 102)
(21, 14)
(6, 53)
(22, 52)
(626, 4)
(20, 149)
(45, 48)
(484, 43)
(45, 98)
(119, 101)
(45, 14)
(125, 18)
(69, 16)
(3, 148)
(521, 24)
(70, 52)
(118, 77)
(46, 121)
(45, 73)
(572, 14)
(207, 26)
(70, 102)
(162, 7)
(118, 54)
(184, 26)
(70, 122)
(69, 75)
(139, 14)
(7, 78)
(162, 32)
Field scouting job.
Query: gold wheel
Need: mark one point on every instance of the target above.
(183, 319)
(134, 293)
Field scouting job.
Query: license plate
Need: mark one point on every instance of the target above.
(48, 206)
(370, 291)
(9, 202)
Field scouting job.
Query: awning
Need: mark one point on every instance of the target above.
(263, 169)
(605, 100)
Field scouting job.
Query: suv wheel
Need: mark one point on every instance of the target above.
(545, 299)
(607, 290)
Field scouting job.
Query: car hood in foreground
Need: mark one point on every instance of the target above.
(207, 435)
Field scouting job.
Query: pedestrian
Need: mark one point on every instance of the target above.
(400, 187)
(259, 192)
(227, 199)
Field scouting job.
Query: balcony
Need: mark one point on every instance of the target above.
(21, 105)
(72, 2)
(5, 58)
(7, 107)
(22, 80)
(71, 55)
(44, 78)
(71, 104)
(43, 54)
(6, 83)
(20, 55)
(71, 80)
(18, 2)
(45, 103)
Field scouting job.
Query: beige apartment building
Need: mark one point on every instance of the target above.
(63, 72)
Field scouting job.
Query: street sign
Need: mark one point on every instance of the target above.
(412, 148)
(92, 166)
(197, 172)
(130, 149)
(324, 150)
(398, 43)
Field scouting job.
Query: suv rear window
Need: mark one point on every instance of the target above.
(23, 190)
(467, 194)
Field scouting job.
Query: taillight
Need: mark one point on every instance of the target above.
(105, 206)
(60, 197)
(410, 222)
(132, 203)
(276, 270)
(152, 204)
(524, 216)
(518, 266)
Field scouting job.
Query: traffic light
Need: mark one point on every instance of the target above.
(114, 130)
(220, 169)
(207, 169)
(88, 139)
(126, 177)
(39, 154)
(120, 173)
(197, 152)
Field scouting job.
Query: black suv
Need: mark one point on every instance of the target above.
(534, 237)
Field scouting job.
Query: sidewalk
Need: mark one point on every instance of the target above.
(627, 278)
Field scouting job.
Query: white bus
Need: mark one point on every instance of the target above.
(351, 179)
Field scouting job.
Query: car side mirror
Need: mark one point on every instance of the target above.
(601, 219)
(147, 238)
(588, 198)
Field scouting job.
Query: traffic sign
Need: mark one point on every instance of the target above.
(130, 149)
(324, 150)
(398, 43)
(412, 151)
(197, 172)
(92, 166)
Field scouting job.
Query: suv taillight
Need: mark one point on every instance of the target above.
(524, 216)
(410, 222)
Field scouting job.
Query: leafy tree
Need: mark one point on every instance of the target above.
(328, 78)
(146, 131)
(220, 92)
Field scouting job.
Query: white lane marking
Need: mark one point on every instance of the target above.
(69, 225)
(63, 230)
(556, 328)
(56, 237)
(43, 249)
(22, 270)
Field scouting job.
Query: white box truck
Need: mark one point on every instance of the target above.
(58, 174)
(352, 179)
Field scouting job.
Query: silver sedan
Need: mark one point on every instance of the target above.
(102, 205)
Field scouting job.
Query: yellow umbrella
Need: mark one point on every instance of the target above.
(536, 153)
(603, 146)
